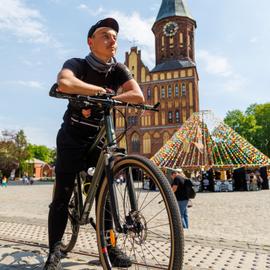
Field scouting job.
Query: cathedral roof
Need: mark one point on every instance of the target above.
(173, 65)
(170, 8)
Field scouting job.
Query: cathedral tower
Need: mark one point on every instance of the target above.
(173, 81)
(174, 34)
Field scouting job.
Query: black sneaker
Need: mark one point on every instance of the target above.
(54, 259)
(118, 258)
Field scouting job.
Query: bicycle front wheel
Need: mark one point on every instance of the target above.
(152, 235)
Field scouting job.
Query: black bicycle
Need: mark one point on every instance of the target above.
(143, 223)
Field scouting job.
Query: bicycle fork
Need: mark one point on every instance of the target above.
(109, 164)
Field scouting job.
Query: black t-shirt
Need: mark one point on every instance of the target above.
(180, 192)
(117, 76)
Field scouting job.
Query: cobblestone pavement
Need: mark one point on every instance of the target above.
(23, 238)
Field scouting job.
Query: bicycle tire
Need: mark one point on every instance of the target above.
(149, 235)
(70, 236)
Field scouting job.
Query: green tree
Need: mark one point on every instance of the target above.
(21, 151)
(235, 120)
(42, 152)
(262, 116)
(13, 151)
(253, 125)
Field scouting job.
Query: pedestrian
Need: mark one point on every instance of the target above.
(4, 181)
(179, 189)
(94, 75)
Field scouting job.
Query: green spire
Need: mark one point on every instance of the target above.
(170, 8)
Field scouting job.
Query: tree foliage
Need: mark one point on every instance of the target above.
(42, 152)
(253, 125)
(15, 151)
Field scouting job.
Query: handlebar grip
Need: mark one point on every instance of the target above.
(54, 93)
(53, 90)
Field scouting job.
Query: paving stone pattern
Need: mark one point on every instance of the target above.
(236, 239)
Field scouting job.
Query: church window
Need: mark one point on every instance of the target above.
(177, 116)
(162, 41)
(132, 120)
(162, 92)
(183, 89)
(176, 90)
(170, 117)
(169, 91)
(148, 94)
(146, 143)
(135, 143)
(122, 143)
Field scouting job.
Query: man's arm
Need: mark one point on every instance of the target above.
(131, 93)
(68, 83)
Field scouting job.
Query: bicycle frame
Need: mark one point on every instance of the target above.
(104, 167)
(104, 170)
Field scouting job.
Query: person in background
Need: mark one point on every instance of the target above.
(4, 181)
(178, 188)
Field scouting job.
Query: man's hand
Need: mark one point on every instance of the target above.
(86, 113)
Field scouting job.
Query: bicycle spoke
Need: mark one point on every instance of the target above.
(151, 201)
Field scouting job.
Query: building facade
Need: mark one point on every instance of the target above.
(173, 82)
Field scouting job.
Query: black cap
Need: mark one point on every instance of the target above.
(108, 22)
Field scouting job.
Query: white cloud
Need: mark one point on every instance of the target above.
(89, 10)
(29, 84)
(235, 84)
(254, 40)
(28, 63)
(214, 64)
(24, 22)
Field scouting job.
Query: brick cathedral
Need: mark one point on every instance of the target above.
(173, 81)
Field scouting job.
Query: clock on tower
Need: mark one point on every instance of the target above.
(170, 29)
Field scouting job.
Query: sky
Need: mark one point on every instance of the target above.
(36, 37)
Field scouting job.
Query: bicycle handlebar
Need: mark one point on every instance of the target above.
(105, 100)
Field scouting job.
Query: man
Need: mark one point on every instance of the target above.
(91, 76)
(178, 187)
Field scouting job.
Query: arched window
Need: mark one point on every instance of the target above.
(146, 143)
(170, 117)
(135, 143)
(148, 93)
(177, 116)
(183, 89)
(176, 90)
(162, 92)
(169, 91)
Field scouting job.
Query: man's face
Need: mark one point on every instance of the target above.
(173, 175)
(103, 43)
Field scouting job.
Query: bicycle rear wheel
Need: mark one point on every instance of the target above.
(72, 229)
(152, 236)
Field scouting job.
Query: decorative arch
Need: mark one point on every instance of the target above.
(166, 137)
(135, 143)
